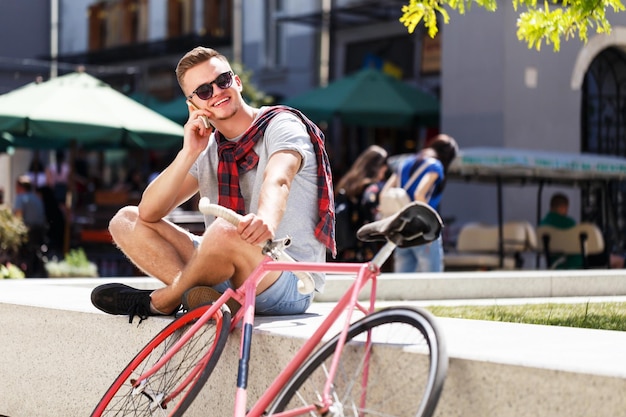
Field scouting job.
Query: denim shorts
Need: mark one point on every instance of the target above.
(281, 298)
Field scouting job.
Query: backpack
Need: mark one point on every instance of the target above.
(393, 199)
(346, 221)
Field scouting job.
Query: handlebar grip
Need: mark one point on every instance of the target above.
(216, 210)
(306, 285)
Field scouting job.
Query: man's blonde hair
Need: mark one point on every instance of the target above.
(196, 56)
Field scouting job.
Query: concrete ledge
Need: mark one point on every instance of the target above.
(409, 287)
(59, 354)
(487, 285)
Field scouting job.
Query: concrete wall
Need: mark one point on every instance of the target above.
(24, 35)
(59, 354)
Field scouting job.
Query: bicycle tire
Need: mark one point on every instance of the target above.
(199, 355)
(398, 333)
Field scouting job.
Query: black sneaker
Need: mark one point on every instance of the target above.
(121, 299)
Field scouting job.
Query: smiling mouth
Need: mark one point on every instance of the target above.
(224, 100)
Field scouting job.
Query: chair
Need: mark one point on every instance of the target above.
(584, 239)
(477, 247)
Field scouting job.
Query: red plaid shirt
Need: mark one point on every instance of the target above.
(235, 156)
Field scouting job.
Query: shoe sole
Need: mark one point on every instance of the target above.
(202, 295)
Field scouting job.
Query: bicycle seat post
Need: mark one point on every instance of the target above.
(383, 254)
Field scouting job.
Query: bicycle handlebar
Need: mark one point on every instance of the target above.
(306, 285)
(216, 210)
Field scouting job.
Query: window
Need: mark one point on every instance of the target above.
(130, 17)
(273, 47)
(603, 129)
(218, 18)
(97, 26)
(180, 14)
(117, 23)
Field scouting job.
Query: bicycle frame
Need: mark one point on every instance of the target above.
(365, 272)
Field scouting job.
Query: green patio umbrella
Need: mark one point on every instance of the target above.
(369, 98)
(78, 108)
(6, 142)
(176, 110)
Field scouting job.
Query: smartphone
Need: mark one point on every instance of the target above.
(205, 119)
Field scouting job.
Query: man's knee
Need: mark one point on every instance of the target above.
(123, 222)
(221, 239)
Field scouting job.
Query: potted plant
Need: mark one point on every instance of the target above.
(13, 234)
(75, 264)
(10, 271)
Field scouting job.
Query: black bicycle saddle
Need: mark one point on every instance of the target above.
(416, 224)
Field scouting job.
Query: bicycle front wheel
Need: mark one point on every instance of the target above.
(173, 387)
(401, 373)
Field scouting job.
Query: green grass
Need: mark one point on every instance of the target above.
(606, 316)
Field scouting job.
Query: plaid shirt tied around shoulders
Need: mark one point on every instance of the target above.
(235, 156)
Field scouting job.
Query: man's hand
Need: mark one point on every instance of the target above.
(254, 230)
(197, 131)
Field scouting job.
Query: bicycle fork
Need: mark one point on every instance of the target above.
(241, 395)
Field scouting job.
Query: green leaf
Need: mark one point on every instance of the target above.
(536, 24)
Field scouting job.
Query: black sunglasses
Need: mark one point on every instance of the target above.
(205, 91)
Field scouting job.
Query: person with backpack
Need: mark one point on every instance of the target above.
(431, 165)
(356, 202)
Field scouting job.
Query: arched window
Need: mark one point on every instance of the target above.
(603, 130)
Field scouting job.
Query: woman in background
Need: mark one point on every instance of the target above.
(356, 202)
(433, 160)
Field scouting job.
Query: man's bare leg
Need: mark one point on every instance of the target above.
(159, 249)
(167, 252)
(222, 255)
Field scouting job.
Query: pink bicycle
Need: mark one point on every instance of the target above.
(390, 362)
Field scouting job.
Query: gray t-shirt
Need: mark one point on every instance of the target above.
(285, 131)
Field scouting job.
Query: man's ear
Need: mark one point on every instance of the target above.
(239, 83)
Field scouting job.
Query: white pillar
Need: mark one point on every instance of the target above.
(238, 31)
(5, 178)
(54, 37)
(324, 69)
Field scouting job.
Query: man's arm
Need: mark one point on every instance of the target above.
(279, 173)
(169, 190)
(175, 184)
